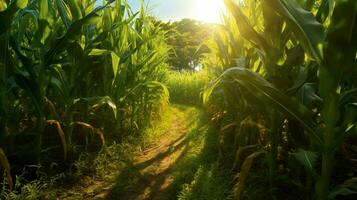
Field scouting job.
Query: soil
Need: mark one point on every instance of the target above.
(154, 168)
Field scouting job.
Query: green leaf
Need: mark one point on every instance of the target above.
(303, 24)
(347, 188)
(21, 3)
(43, 7)
(96, 102)
(115, 58)
(63, 12)
(306, 158)
(260, 88)
(325, 10)
(73, 31)
(245, 28)
(44, 25)
(75, 9)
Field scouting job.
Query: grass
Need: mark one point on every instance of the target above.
(186, 87)
(91, 168)
(195, 175)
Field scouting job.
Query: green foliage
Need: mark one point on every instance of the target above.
(293, 61)
(186, 87)
(207, 184)
(74, 77)
(187, 38)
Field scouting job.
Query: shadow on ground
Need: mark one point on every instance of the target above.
(172, 170)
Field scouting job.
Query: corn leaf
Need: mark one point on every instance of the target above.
(306, 158)
(303, 24)
(245, 28)
(6, 165)
(61, 135)
(267, 93)
(96, 102)
(115, 58)
(243, 175)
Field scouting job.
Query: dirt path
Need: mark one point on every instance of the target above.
(153, 167)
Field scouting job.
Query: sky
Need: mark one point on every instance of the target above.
(203, 10)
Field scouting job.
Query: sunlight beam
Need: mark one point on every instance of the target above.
(209, 10)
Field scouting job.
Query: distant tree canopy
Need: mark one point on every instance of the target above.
(187, 37)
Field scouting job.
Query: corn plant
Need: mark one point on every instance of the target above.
(288, 70)
(74, 74)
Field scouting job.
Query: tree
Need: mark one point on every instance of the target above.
(187, 37)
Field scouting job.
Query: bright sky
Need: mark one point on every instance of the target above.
(203, 10)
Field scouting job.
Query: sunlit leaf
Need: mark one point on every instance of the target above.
(304, 25)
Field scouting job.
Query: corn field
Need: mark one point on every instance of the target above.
(285, 94)
(72, 75)
(278, 84)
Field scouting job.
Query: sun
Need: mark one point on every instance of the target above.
(209, 10)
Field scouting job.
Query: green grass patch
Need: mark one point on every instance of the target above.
(186, 87)
(197, 176)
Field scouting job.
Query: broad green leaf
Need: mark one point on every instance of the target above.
(63, 11)
(245, 28)
(75, 9)
(43, 8)
(267, 93)
(115, 58)
(303, 24)
(73, 31)
(44, 25)
(306, 158)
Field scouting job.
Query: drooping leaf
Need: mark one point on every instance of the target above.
(96, 102)
(6, 165)
(258, 87)
(61, 135)
(93, 129)
(243, 174)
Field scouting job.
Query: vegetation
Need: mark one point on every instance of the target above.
(85, 93)
(294, 61)
(187, 87)
(187, 39)
(73, 76)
